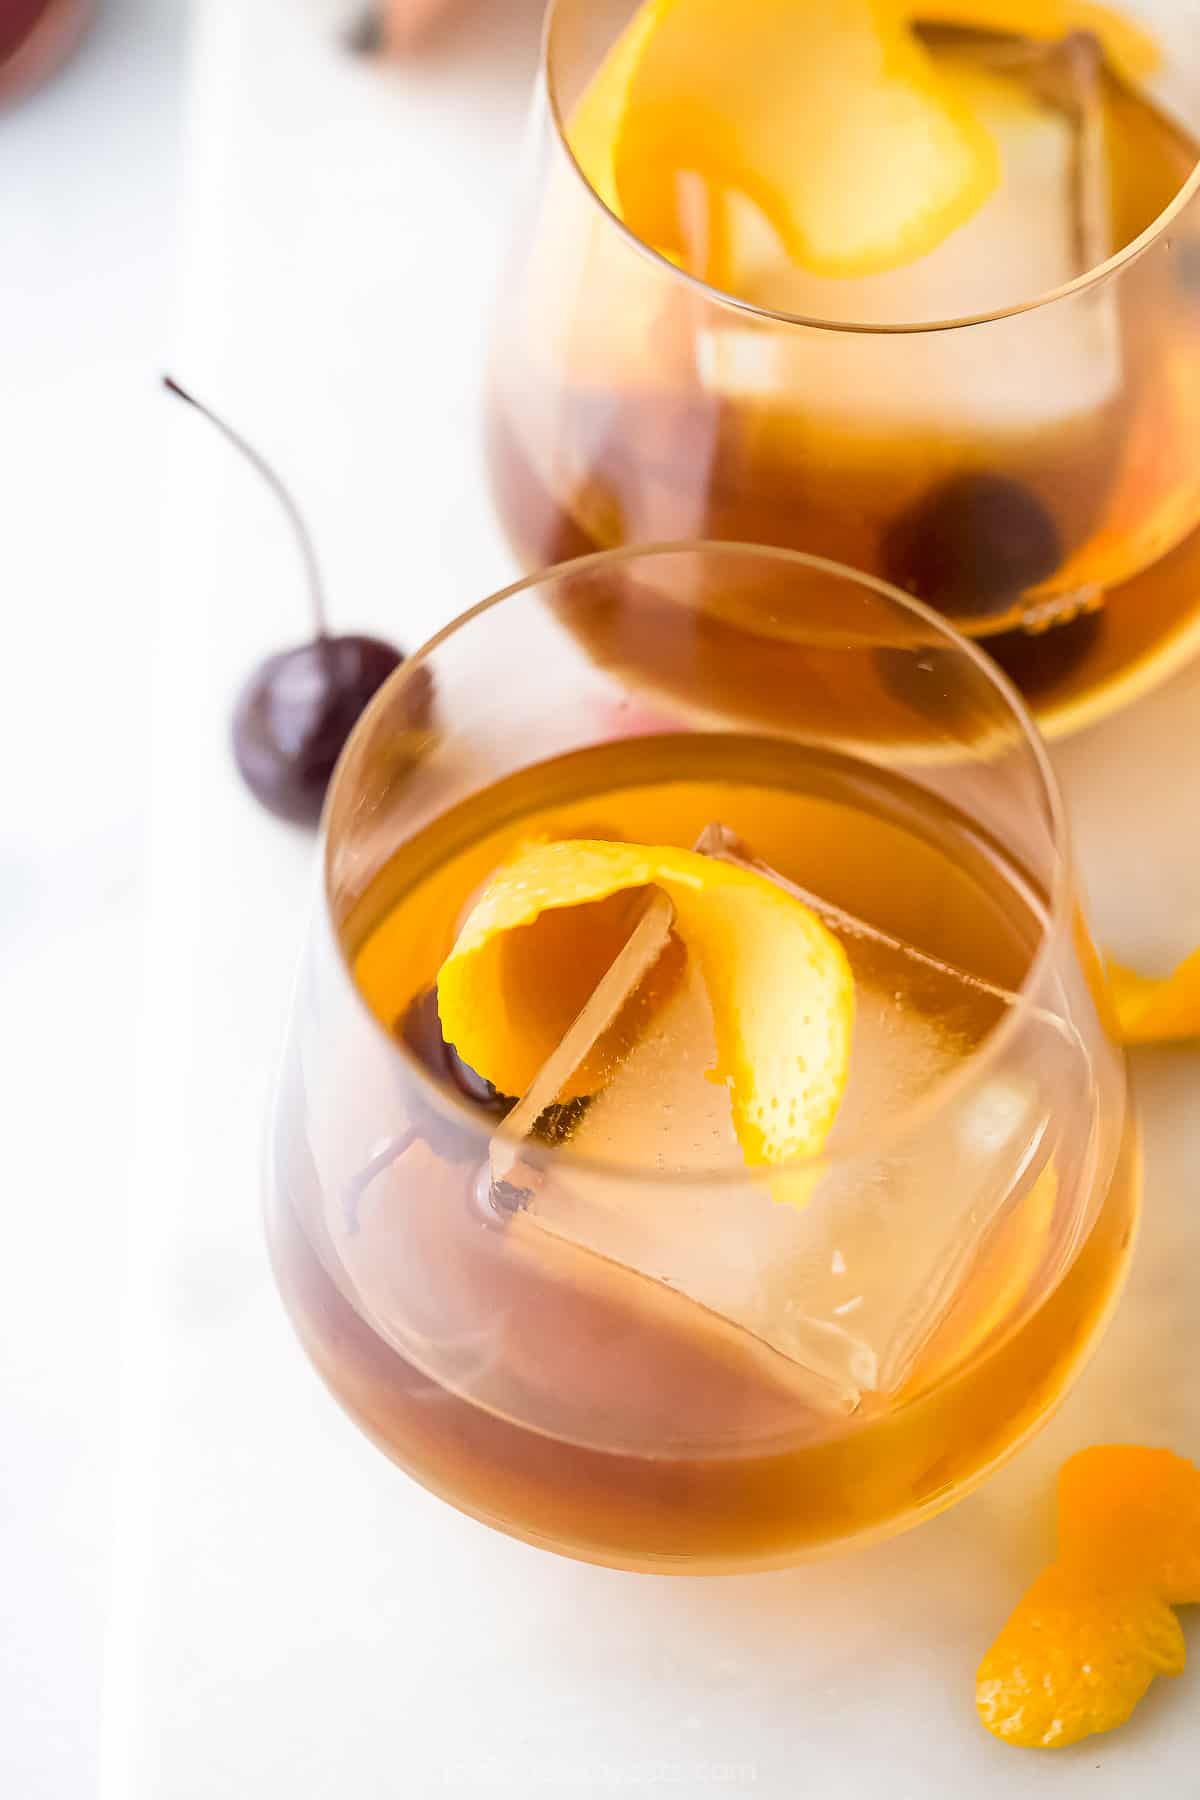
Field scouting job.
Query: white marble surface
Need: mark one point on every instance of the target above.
(292, 1617)
(87, 176)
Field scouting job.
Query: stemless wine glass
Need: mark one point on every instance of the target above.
(610, 1337)
(1032, 471)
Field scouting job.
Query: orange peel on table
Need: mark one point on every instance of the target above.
(778, 981)
(1098, 1625)
(1156, 1010)
(859, 148)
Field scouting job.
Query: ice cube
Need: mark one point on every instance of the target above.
(915, 1018)
(658, 1111)
(641, 951)
(850, 1287)
(1047, 223)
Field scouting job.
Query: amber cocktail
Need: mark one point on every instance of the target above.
(1004, 426)
(579, 1312)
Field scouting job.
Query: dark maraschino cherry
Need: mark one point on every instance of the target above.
(295, 713)
(421, 1029)
(973, 545)
(297, 709)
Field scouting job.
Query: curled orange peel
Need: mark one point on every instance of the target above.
(1150, 1010)
(1098, 1625)
(596, 121)
(834, 121)
(861, 149)
(779, 986)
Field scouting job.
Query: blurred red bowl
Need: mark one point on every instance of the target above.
(35, 37)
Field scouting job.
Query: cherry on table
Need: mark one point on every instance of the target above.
(298, 707)
(295, 713)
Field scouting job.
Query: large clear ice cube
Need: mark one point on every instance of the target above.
(1048, 222)
(848, 1288)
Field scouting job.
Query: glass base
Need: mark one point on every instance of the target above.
(877, 1476)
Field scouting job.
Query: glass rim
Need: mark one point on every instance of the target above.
(1090, 278)
(947, 1087)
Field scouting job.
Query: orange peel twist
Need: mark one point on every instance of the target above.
(1098, 1625)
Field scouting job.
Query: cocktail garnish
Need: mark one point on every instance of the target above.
(297, 708)
(1153, 1010)
(598, 117)
(860, 149)
(835, 122)
(778, 982)
(641, 950)
(1097, 1626)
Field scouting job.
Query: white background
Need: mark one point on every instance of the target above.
(88, 175)
(291, 1617)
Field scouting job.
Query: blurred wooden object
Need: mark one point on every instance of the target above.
(403, 22)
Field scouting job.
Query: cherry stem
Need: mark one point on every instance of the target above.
(307, 551)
